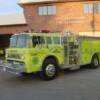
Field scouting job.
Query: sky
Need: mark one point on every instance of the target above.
(9, 6)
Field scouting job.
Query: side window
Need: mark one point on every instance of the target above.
(64, 40)
(41, 40)
(37, 40)
(56, 40)
(48, 39)
(34, 41)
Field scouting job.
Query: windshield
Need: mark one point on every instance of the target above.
(19, 41)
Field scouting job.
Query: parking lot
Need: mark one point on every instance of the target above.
(70, 85)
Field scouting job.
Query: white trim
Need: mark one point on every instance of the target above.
(32, 1)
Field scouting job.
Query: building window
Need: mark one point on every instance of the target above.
(51, 10)
(90, 8)
(96, 7)
(99, 7)
(43, 10)
(47, 10)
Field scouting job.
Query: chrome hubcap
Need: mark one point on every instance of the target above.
(50, 70)
(95, 62)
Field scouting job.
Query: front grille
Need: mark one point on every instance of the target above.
(14, 62)
(15, 56)
(15, 66)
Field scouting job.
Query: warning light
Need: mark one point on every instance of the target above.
(45, 31)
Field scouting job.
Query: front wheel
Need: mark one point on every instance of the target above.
(95, 61)
(49, 69)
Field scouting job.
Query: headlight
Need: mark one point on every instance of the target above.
(22, 57)
(6, 55)
(15, 56)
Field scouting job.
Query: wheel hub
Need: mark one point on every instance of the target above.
(95, 62)
(50, 70)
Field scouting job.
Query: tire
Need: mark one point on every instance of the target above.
(49, 69)
(25, 74)
(95, 62)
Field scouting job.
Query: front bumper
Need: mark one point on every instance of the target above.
(16, 68)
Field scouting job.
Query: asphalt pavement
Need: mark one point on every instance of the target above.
(83, 84)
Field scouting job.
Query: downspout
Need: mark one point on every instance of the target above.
(93, 19)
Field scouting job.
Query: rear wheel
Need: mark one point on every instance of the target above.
(49, 69)
(95, 61)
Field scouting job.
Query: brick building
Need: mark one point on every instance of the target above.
(62, 15)
(54, 15)
(11, 23)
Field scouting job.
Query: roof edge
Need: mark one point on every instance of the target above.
(21, 2)
(13, 24)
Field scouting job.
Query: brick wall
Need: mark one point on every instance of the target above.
(13, 29)
(70, 17)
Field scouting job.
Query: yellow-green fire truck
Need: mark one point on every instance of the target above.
(48, 52)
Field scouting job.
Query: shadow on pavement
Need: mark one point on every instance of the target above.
(35, 78)
(82, 69)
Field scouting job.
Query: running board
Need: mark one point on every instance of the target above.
(71, 67)
(76, 67)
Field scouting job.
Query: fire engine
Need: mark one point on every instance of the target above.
(48, 53)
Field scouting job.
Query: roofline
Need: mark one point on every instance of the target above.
(52, 1)
(13, 25)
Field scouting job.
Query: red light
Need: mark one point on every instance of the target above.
(45, 31)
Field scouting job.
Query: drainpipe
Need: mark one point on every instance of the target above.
(93, 19)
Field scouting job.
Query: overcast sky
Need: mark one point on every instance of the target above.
(9, 6)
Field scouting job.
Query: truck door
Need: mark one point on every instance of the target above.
(49, 42)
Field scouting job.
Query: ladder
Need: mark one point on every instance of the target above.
(73, 53)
